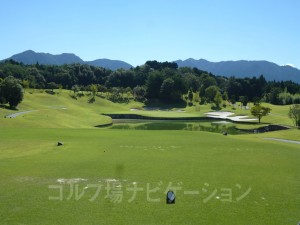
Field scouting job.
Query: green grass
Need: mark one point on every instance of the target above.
(30, 162)
(187, 159)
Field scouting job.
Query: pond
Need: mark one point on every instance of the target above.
(206, 125)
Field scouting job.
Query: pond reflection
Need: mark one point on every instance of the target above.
(209, 126)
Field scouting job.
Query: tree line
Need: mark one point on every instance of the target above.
(153, 80)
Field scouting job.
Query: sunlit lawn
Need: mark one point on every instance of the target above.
(234, 179)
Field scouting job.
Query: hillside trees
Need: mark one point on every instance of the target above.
(155, 77)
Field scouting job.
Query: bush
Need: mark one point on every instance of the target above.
(80, 94)
(296, 99)
(51, 92)
(285, 98)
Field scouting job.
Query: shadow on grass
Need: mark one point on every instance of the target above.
(7, 107)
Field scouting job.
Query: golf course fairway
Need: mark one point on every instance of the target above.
(111, 176)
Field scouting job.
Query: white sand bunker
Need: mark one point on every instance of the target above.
(228, 115)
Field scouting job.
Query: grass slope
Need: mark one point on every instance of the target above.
(62, 111)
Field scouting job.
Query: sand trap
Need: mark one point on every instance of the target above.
(241, 118)
(219, 114)
(228, 115)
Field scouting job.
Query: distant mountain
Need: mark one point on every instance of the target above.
(31, 57)
(243, 68)
(111, 64)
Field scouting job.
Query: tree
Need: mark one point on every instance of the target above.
(232, 99)
(139, 93)
(101, 88)
(153, 84)
(273, 95)
(190, 95)
(115, 94)
(260, 111)
(256, 100)
(211, 92)
(93, 88)
(11, 91)
(167, 89)
(233, 88)
(294, 114)
(218, 99)
(206, 82)
(196, 97)
(225, 96)
(25, 84)
(75, 88)
(243, 100)
(192, 81)
(52, 85)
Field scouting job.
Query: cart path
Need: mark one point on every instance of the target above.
(14, 115)
(283, 140)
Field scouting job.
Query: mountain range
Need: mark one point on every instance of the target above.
(31, 57)
(241, 68)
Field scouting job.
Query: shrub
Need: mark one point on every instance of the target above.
(296, 99)
(285, 98)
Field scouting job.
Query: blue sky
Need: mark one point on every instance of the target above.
(136, 31)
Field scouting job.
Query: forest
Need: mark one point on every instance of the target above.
(153, 80)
